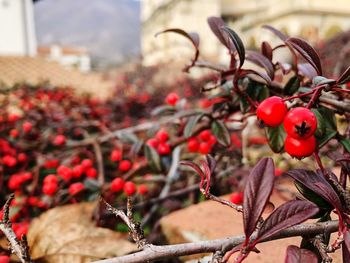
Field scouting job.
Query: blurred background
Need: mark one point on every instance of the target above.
(85, 44)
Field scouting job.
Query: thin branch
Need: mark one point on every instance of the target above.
(153, 253)
(19, 247)
(170, 179)
(135, 230)
(99, 159)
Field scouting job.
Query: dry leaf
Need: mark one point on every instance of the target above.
(67, 234)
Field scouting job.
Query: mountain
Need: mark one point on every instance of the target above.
(109, 29)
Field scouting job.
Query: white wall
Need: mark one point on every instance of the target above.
(17, 35)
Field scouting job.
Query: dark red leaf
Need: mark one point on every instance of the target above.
(194, 166)
(266, 50)
(256, 193)
(298, 255)
(211, 163)
(307, 52)
(216, 25)
(193, 37)
(318, 184)
(261, 61)
(346, 247)
(287, 215)
(256, 76)
(345, 77)
(307, 70)
(237, 42)
(278, 33)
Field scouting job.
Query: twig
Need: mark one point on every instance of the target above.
(322, 248)
(170, 178)
(19, 247)
(99, 159)
(153, 253)
(136, 231)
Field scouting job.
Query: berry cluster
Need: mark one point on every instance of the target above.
(299, 123)
(203, 143)
(129, 188)
(160, 142)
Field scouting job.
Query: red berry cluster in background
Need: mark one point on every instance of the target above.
(160, 142)
(299, 123)
(203, 143)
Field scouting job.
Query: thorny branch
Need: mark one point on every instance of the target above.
(19, 247)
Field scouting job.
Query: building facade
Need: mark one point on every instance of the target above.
(17, 29)
(313, 20)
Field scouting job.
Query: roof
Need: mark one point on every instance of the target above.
(46, 50)
(35, 70)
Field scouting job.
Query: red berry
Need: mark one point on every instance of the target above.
(205, 135)
(212, 141)
(50, 179)
(13, 117)
(33, 200)
(14, 182)
(116, 155)
(14, 133)
(50, 189)
(86, 163)
(22, 157)
(26, 176)
(300, 148)
(27, 126)
(142, 189)
(172, 99)
(9, 160)
(78, 170)
(59, 140)
(20, 229)
(235, 140)
(204, 148)
(76, 188)
(65, 172)
(236, 198)
(272, 111)
(192, 145)
(162, 135)
(129, 188)
(91, 172)
(4, 259)
(124, 165)
(50, 164)
(300, 123)
(117, 185)
(153, 142)
(278, 172)
(163, 148)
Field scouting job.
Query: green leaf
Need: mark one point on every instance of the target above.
(312, 196)
(256, 91)
(153, 158)
(221, 132)
(326, 125)
(328, 136)
(127, 137)
(346, 144)
(321, 126)
(292, 86)
(163, 110)
(276, 137)
(319, 80)
(92, 185)
(191, 123)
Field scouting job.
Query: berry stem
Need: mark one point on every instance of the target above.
(320, 165)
